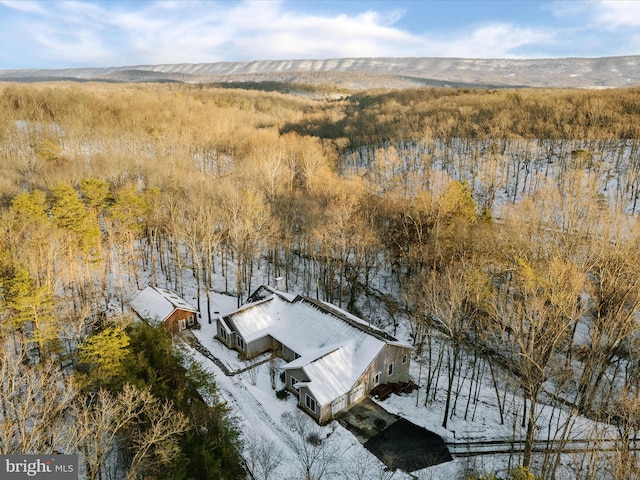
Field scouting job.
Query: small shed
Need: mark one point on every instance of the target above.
(160, 306)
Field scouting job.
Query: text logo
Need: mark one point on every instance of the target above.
(45, 467)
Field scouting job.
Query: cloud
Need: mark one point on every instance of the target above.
(495, 40)
(612, 14)
(132, 33)
(25, 6)
(598, 28)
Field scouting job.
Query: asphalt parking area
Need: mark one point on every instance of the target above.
(406, 446)
(398, 443)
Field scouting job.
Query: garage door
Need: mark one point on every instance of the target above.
(339, 405)
(356, 394)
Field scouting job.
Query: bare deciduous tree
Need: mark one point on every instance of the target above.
(34, 400)
(310, 443)
(262, 457)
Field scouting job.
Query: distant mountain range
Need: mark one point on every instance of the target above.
(362, 73)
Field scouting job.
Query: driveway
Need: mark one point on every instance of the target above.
(398, 443)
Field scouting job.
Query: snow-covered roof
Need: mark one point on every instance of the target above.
(336, 373)
(334, 348)
(155, 304)
(265, 291)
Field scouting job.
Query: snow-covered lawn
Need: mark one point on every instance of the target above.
(259, 413)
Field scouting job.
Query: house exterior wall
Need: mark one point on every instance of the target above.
(389, 355)
(238, 343)
(173, 322)
(288, 354)
(321, 414)
(296, 373)
(259, 346)
(325, 414)
(308, 403)
(282, 351)
(226, 337)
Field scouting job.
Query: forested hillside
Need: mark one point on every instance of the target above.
(501, 225)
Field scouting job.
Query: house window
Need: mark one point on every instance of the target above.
(310, 403)
(182, 324)
(293, 382)
(240, 342)
(191, 320)
(223, 333)
(404, 358)
(390, 371)
(376, 379)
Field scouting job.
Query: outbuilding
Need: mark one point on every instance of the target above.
(160, 306)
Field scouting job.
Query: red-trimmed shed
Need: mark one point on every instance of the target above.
(160, 306)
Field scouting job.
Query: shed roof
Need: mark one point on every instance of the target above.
(155, 304)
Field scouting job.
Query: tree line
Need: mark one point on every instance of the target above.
(383, 203)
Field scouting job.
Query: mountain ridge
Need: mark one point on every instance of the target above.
(375, 72)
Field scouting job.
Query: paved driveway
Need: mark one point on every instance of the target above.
(398, 443)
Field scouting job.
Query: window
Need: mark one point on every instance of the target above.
(390, 372)
(310, 403)
(404, 358)
(191, 320)
(376, 379)
(240, 342)
(182, 324)
(293, 382)
(223, 333)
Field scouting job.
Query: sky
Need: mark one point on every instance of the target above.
(65, 34)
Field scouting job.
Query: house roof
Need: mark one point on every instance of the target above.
(334, 374)
(265, 291)
(335, 347)
(155, 304)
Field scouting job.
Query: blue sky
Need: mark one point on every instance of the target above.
(59, 34)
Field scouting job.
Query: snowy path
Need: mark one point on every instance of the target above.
(259, 413)
(242, 403)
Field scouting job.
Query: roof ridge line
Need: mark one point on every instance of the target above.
(375, 332)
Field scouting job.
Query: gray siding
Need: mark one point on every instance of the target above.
(308, 403)
(296, 373)
(288, 354)
(259, 346)
(228, 340)
(390, 354)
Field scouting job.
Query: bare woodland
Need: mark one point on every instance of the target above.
(501, 225)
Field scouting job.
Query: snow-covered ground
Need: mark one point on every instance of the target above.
(259, 413)
(254, 404)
